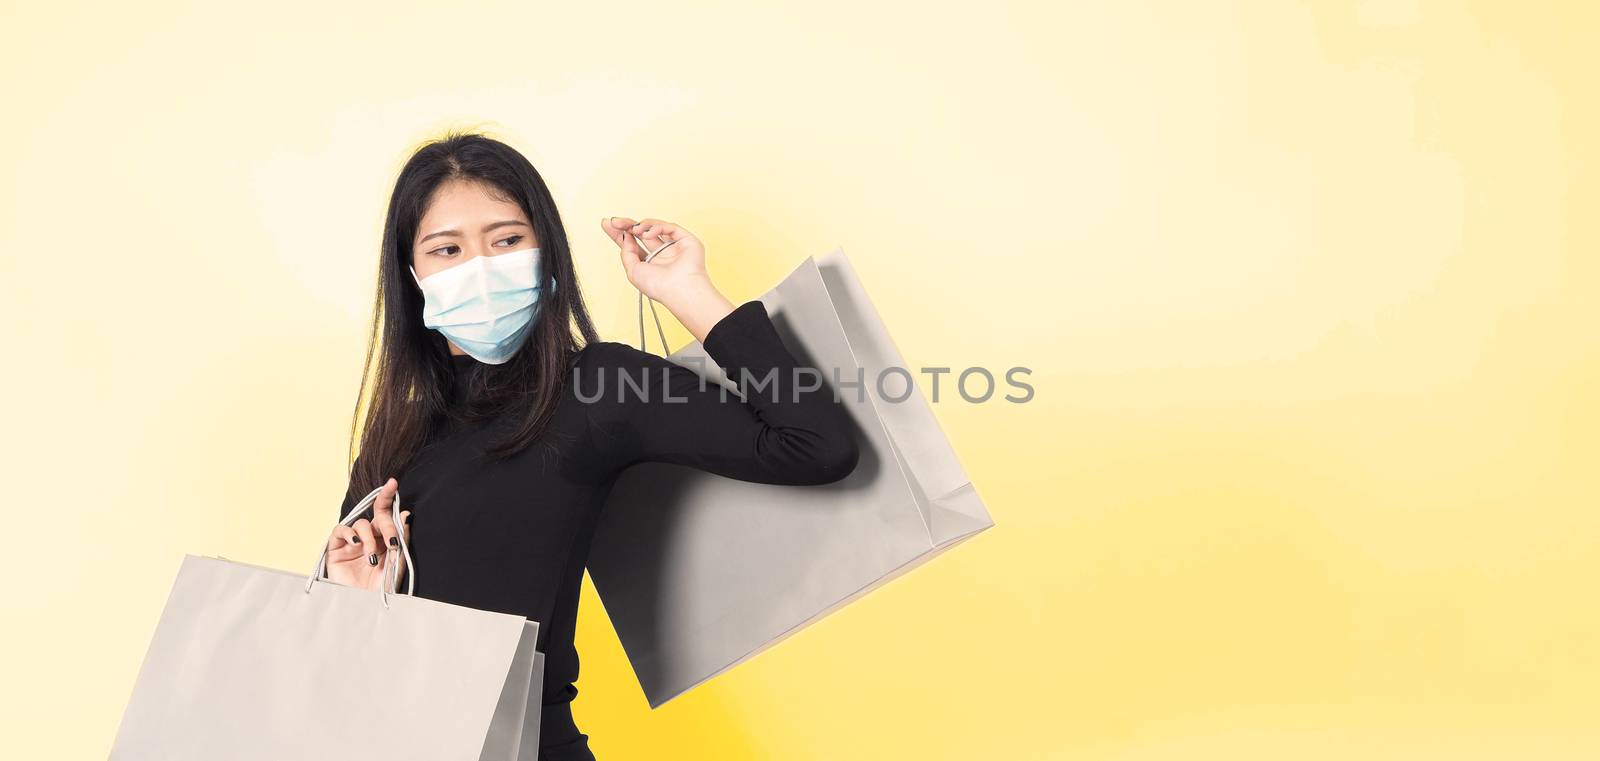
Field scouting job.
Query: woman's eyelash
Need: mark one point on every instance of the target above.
(514, 238)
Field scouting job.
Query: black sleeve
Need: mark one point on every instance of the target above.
(788, 428)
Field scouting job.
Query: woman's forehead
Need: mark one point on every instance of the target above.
(466, 207)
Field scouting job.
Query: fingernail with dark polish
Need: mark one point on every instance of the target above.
(372, 560)
(393, 542)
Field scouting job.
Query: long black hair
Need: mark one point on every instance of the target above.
(409, 366)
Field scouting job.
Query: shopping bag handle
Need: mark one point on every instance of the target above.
(389, 587)
(642, 300)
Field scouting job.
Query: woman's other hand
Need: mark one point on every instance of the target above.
(359, 553)
(676, 277)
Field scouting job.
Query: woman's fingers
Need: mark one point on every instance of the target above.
(616, 228)
(368, 541)
(650, 232)
(393, 554)
(382, 513)
(352, 543)
(392, 533)
(343, 547)
(655, 233)
(658, 229)
(628, 248)
(678, 248)
(362, 550)
(344, 543)
(624, 230)
(649, 226)
(670, 253)
(399, 558)
(383, 526)
(385, 501)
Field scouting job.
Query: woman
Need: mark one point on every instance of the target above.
(507, 419)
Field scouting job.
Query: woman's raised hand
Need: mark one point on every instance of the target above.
(676, 276)
(359, 553)
(676, 267)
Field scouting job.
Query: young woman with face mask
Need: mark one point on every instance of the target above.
(505, 419)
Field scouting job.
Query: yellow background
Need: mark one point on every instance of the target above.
(1308, 289)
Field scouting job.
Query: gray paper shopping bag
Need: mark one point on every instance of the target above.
(699, 572)
(249, 662)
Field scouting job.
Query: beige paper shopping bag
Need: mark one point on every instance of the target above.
(699, 572)
(249, 662)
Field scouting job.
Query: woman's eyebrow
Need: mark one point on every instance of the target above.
(486, 228)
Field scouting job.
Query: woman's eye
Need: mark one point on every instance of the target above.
(513, 240)
(446, 250)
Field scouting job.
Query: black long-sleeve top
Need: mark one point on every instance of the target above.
(514, 536)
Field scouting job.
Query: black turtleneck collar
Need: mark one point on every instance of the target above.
(461, 364)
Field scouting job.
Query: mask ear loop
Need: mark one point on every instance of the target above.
(643, 300)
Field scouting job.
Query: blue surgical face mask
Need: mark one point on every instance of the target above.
(486, 305)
